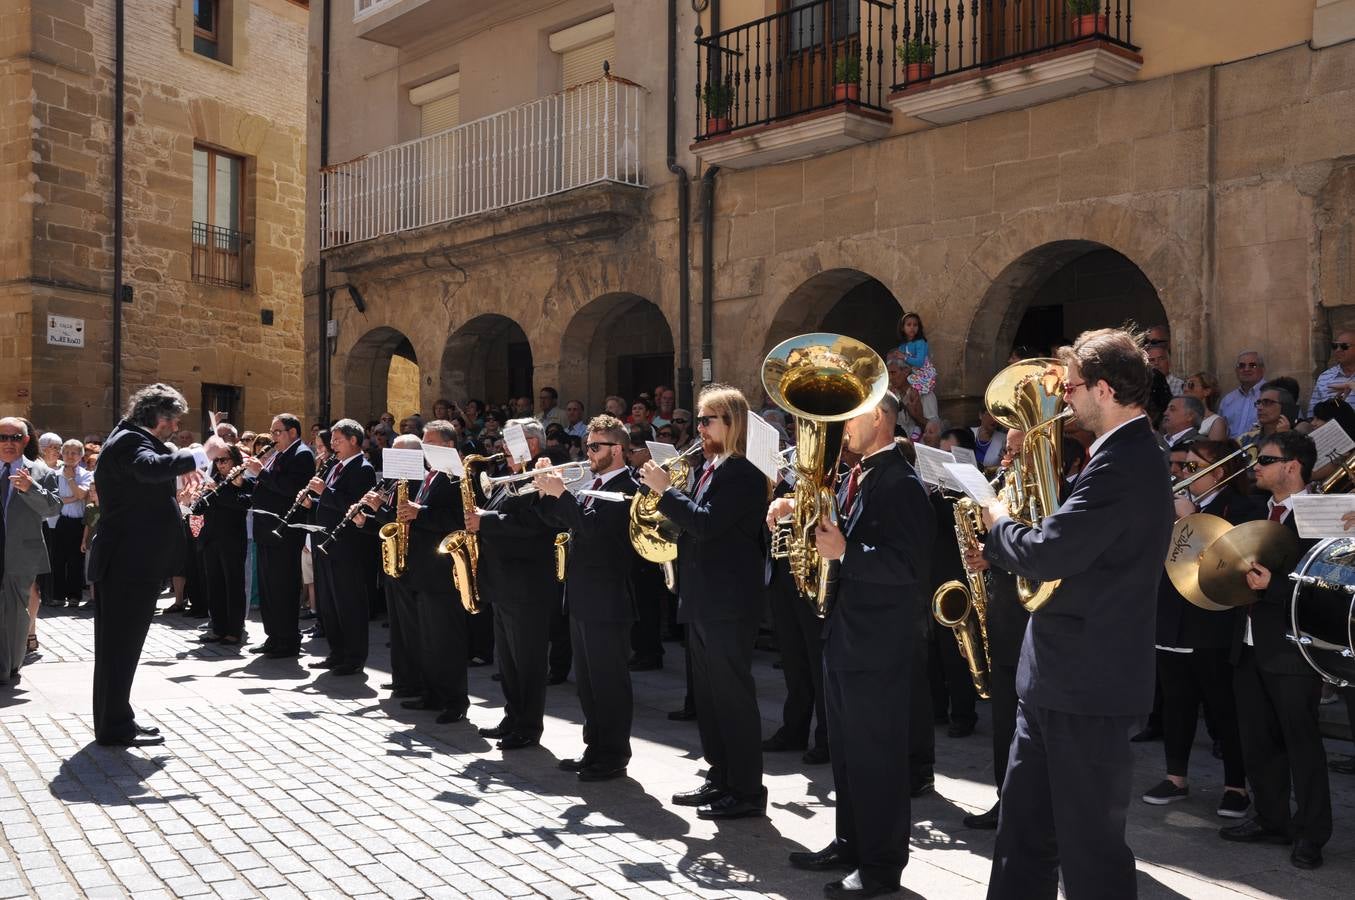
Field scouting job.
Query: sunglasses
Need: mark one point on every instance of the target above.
(704, 421)
(1266, 460)
(1339, 345)
(1251, 365)
(11, 438)
(595, 446)
(1266, 401)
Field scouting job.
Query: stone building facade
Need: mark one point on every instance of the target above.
(213, 267)
(1195, 171)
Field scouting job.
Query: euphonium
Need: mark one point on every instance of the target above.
(395, 537)
(463, 546)
(964, 609)
(652, 535)
(1028, 396)
(822, 380)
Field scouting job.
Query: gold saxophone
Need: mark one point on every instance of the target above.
(964, 608)
(395, 537)
(463, 546)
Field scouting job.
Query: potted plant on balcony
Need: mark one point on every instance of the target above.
(847, 79)
(1089, 17)
(919, 59)
(719, 100)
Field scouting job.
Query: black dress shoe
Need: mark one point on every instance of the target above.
(448, 716)
(322, 664)
(1306, 855)
(1151, 733)
(984, 821)
(196, 614)
(923, 788)
(498, 731)
(141, 740)
(346, 670)
(517, 742)
(147, 730)
(707, 793)
(857, 885)
(825, 860)
(209, 638)
(686, 714)
(1253, 832)
(260, 648)
(731, 807)
(282, 654)
(573, 764)
(779, 743)
(601, 773)
(417, 703)
(1343, 766)
(816, 756)
(960, 729)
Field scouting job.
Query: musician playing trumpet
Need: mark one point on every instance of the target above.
(884, 541)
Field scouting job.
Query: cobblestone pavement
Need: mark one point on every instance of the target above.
(275, 783)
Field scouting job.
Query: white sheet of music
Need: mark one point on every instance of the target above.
(516, 440)
(931, 465)
(975, 486)
(1319, 515)
(764, 446)
(444, 459)
(405, 464)
(660, 452)
(1332, 442)
(964, 455)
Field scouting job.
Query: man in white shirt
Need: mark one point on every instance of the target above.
(1336, 381)
(1239, 406)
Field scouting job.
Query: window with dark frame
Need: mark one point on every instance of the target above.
(219, 245)
(206, 14)
(222, 398)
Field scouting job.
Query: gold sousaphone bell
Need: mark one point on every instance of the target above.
(1209, 558)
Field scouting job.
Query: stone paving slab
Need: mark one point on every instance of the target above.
(277, 783)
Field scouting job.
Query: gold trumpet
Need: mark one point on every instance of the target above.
(520, 484)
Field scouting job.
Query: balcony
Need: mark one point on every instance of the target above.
(803, 81)
(959, 59)
(591, 134)
(399, 23)
(220, 256)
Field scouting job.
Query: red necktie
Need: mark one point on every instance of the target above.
(853, 483)
(703, 481)
(427, 480)
(1277, 512)
(334, 475)
(588, 501)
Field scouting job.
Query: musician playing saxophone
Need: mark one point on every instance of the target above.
(1085, 679)
(884, 539)
(427, 621)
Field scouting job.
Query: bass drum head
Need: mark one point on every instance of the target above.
(1323, 606)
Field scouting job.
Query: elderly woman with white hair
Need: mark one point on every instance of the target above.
(68, 563)
(49, 451)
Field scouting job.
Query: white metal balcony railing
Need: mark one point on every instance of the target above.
(590, 133)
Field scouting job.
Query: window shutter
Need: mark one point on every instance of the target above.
(439, 115)
(585, 63)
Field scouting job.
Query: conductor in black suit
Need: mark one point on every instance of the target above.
(139, 543)
(885, 543)
(343, 577)
(601, 597)
(720, 578)
(276, 486)
(1277, 691)
(1085, 679)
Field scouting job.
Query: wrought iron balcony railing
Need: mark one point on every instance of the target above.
(220, 256)
(590, 133)
(811, 57)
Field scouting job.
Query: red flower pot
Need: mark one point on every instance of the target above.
(1092, 23)
(715, 125)
(850, 92)
(920, 71)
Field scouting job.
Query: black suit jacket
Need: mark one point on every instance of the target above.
(223, 521)
(1270, 623)
(517, 552)
(425, 570)
(884, 582)
(720, 548)
(1089, 651)
(357, 478)
(276, 487)
(141, 535)
(598, 584)
(1181, 623)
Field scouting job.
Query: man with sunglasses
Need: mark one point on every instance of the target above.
(601, 601)
(1085, 679)
(28, 495)
(1336, 381)
(1277, 692)
(1239, 406)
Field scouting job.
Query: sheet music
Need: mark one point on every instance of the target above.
(660, 452)
(764, 446)
(931, 466)
(975, 486)
(1319, 515)
(610, 496)
(444, 459)
(1332, 442)
(404, 464)
(964, 455)
(516, 440)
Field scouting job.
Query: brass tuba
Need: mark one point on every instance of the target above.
(652, 535)
(964, 608)
(395, 537)
(1028, 396)
(822, 380)
(463, 546)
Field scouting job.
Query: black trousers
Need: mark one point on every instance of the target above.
(403, 617)
(601, 651)
(223, 578)
(799, 634)
(123, 609)
(561, 656)
(68, 563)
(194, 590)
(1002, 687)
(441, 648)
(1281, 743)
(952, 689)
(280, 588)
(521, 636)
(1188, 679)
(868, 720)
(922, 723)
(1064, 803)
(343, 600)
(646, 635)
(726, 704)
(479, 630)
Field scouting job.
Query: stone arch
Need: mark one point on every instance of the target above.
(848, 301)
(618, 343)
(487, 357)
(367, 370)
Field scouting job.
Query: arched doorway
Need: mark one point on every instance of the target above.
(382, 370)
(841, 301)
(488, 358)
(617, 344)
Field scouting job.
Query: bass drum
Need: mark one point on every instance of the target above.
(1322, 612)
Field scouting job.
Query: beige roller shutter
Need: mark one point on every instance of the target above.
(585, 63)
(440, 114)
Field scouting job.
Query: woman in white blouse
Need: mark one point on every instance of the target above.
(1205, 388)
